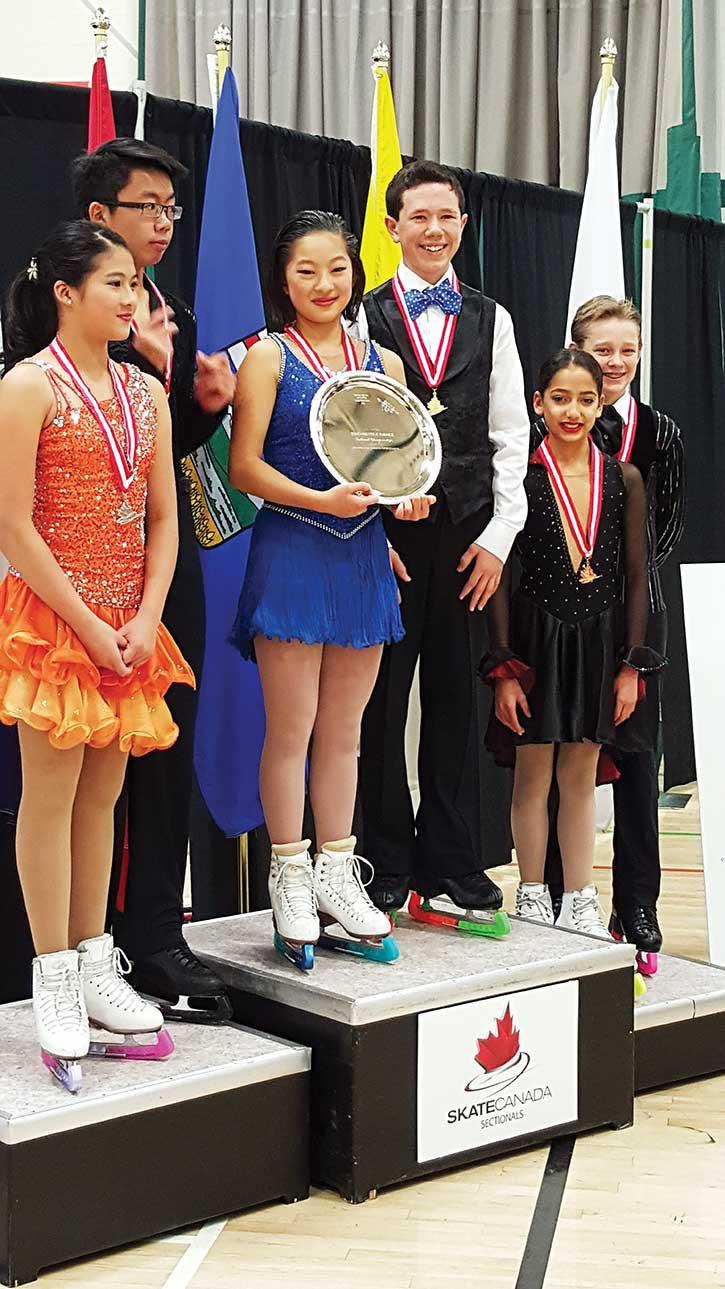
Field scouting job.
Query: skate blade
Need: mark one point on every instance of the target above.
(375, 949)
(494, 925)
(185, 1011)
(135, 1047)
(67, 1072)
(301, 956)
(640, 988)
(648, 964)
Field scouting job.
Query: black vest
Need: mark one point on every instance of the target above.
(466, 478)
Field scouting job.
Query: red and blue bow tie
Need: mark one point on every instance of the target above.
(443, 295)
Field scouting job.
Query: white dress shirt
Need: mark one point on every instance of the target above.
(508, 419)
(622, 405)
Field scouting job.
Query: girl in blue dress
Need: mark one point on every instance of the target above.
(319, 598)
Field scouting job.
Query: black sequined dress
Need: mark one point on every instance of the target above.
(564, 639)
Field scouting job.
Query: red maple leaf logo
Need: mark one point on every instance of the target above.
(495, 1050)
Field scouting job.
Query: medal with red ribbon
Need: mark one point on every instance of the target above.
(169, 364)
(123, 455)
(432, 369)
(313, 358)
(629, 433)
(584, 541)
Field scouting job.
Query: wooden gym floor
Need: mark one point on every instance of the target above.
(643, 1208)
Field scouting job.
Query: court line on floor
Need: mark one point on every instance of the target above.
(605, 868)
(535, 1260)
(189, 1263)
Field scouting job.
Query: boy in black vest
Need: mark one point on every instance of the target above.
(610, 330)
(460, 359)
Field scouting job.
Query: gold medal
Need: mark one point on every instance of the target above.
(434, 405)
(586, 572)
(126, 513)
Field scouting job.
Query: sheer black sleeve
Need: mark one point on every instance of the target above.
(636, 593)
(500, 662)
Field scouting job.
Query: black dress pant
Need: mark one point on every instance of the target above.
(636, 852)
(158, 790)
(464, 799)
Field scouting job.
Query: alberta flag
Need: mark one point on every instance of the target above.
(230, 316)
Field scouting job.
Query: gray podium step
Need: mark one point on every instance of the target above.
(144, 1146)
(397, 1045)
(680, 1023)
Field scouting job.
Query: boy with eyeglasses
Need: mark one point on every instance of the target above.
(130, 186)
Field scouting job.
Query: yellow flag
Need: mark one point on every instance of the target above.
(380, 255)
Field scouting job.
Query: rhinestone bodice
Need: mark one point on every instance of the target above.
(94, 528)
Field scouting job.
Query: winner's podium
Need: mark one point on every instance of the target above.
(144, 1146)
(464, 1048)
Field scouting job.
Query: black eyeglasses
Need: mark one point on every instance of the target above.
(150, 209)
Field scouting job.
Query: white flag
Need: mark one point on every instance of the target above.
(598, 263)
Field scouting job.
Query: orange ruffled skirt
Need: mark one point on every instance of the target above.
(48, 681)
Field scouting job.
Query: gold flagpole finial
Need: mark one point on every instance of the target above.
(101, 25)
(223, 46)
(381, 58)
(607, 57)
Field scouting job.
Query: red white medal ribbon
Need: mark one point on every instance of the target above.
(124, 461)
(433, 369)
(313, 358)
(169, 364)
(585, 542)
(630, 431)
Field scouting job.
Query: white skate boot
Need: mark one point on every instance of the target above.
(60, 1015)
(580, 911)
(290, 885)
(343, 902)
(533, 903)
(112, 1004)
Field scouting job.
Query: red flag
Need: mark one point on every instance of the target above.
(101, 125)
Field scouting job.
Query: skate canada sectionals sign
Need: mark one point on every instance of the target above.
(496, 1069)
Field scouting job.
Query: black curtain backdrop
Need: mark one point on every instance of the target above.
(688, 378)
(42, 127)
(518, 245)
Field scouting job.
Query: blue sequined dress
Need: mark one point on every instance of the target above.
(311, 576)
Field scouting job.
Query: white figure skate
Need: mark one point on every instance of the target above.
(344, 904)
(533, 903)
(60, 1015)
(580, 911)
(296, 924)
(115, 1007)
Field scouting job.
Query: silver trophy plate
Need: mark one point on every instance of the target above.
(368, 428)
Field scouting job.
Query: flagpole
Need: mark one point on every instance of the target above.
(607, 58)
(101, 24)
(219, 63)
(138, 86)
(646, 209)
(223, 46)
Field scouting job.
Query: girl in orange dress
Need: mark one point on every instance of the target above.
(88, 525)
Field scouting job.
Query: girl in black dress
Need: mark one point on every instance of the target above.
(567, 651)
